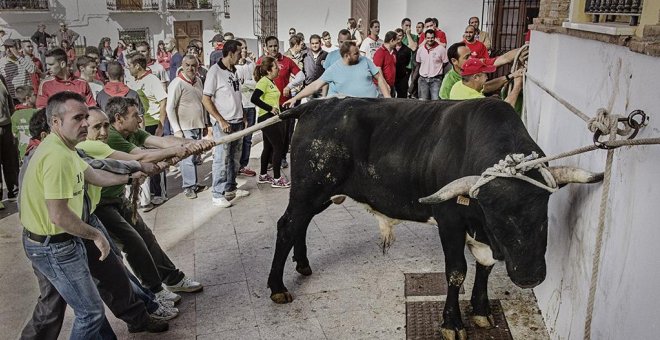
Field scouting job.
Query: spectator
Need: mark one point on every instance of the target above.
(439, 35)
(327, 42)
(106, 54)
(385, 59)
(92, 52)
(334, 56)
(403, 61)
(266, 97)
(70, 53)
(295, 53)
(431, 56)
(175, 57)
(187, 118)
(118, 53)
(115, 87)
(8, 148)
(217, 42)
(62, 80)
(164, 57)
(152, 64)
(473, 79)
(292, 32)
(244, 72)
(222, 99)
(35, 77)
(64, 33)
(372, 42)
(410, 40)
(16, 68)
(20, 120)
(88, 68)
(41, 39)
(478, 49)
(193, 50)
(355, 28)
(480, 35)
(313, 62)
(3, 37)
(353, 76)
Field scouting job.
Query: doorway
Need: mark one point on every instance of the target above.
(184, 31)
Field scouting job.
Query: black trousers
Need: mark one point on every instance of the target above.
(414, 77)
(157, 182)
(114, 287)
(401, 84)
(148, 260)
(274, 142)
(8, 161)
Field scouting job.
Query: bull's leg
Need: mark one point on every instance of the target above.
(481, 314)
(452, 236)
(300, 245)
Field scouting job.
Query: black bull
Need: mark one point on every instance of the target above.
(388, 154)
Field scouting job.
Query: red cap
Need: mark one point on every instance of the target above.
(475, 66)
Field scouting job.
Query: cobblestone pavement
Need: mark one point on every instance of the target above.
(356, 292)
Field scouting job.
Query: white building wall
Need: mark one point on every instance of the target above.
(590, 75)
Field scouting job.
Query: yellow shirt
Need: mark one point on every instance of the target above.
(271, 94)
(54, 172)
(460, 91)
(97, 150)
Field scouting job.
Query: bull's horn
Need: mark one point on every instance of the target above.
(460, 186)
(567, 174)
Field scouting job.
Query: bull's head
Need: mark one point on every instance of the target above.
(516, 217)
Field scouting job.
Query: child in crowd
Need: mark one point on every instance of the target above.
(266, 97)
(20, 120)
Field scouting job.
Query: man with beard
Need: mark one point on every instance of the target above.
(348, 77)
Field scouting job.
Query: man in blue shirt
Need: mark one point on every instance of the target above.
(353, 76)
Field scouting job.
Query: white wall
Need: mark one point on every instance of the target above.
(590, 75)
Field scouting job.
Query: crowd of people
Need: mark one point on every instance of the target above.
(82, 128)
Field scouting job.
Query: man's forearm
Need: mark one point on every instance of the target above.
(62, 216)
(163, 112)
(494, 84)
(102, 178)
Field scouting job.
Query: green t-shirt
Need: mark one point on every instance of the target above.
(271, 94)
(117, 142)
(54, 172)
(20, 127)
(460, 91)
(452, 77)
(415, 37)
(97, 150)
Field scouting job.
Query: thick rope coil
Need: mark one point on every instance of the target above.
(605, 122)
(510, 167)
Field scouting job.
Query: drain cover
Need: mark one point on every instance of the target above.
(427, 284)
(423, 321)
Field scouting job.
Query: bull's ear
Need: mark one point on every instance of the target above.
(566, 174)
(460, 186)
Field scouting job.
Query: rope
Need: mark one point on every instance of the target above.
(557, 98)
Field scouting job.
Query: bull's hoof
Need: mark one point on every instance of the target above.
(486, 322)
(452, 334)
(281, 298)
(304, 270)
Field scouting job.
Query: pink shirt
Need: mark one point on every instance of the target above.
(431, 60)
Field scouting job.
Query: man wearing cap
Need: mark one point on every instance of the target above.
(217, 42)
(67, 34)
(473, 79)
(16, 68)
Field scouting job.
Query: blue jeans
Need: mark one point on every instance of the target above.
(187, 166)
(64, 264)
(251, 114)
(429, 88)
(226, 161)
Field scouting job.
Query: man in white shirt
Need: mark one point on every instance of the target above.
(372, 42)
(222, 99)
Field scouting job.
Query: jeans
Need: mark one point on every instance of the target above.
(187, 166)
(226, 160)
(137, 241)
(251, 114)
(64, 265)
(429, 88)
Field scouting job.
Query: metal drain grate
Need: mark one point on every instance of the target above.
(427, 284)
(423, 321)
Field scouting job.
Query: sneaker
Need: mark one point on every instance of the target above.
(167, 304)
(190, 193)
(158, 200)
(221, 202)
(186, 285)
(163, 313)
(281, 182)
(152, 325)
(200, 187)
(147, 208)
(167, 295)
(270, 166)
(265, 179)
(285, 164)
(236, 194)
(245, 171)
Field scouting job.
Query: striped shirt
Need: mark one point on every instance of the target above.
(17, 72)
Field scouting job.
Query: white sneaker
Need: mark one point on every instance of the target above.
(167, 295)
(236, 194)
(221, 202)
(186, 285)
(167, 304)
(163, 313)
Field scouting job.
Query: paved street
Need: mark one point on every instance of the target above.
(356, 292)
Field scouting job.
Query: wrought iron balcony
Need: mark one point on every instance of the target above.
(132, 5)
(186, 5)
(24, 5)
(612, 8)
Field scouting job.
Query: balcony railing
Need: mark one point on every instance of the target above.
(189, 4)
(24, 5)
(613, 8)
(132, 5)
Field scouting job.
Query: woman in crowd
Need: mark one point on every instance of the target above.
(118, 53)
(70, 53)
(266, 97)
(106, 53)
(163, 57)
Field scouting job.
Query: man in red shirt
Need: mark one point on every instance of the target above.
(62, 80)
(385, 58)
(478, 48)
(440, 36)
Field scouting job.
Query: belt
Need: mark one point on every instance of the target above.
(53, 238)
(438, 76)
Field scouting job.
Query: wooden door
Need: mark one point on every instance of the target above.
(366, 10)
(184, 31)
